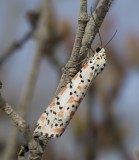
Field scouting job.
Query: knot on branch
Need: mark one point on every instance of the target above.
(83, 19)
(33, 18)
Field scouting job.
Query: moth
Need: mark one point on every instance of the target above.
(54, 120)
(58, 114)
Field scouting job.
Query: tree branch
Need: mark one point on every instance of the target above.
(36, 150)
(84, 38)
(70, 67)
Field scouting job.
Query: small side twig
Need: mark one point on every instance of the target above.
(21, 154)
(15, 46)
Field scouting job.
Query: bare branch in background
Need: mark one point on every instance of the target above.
(33, 18)
(17, 120)
(15, 46)
(42, 35)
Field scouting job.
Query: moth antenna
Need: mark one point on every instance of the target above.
(96, 25)
(110, 39)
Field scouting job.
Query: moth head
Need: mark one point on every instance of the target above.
(99, 49)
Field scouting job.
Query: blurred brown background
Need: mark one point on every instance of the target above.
(105, 126)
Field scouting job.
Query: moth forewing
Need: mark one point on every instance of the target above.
(58, 114)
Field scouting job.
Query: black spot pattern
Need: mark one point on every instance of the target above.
(56, 124)
(39, 127)
(54, 112)
(57, 135)
(98, 49)
(46, 134)
(48, 121)
(57, 98)
(70, 86)
(58, 103)
(61, 124)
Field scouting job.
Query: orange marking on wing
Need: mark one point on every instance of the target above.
(61, 113)
(59, 130)
(71, 114)
(43, 117)
(79, 87)
(82, 88)
(90, 74)
(78, 101)
(85, 66)
(71, 99)
(53, 104)
(44, 127)
(62, 90)
(85, 87)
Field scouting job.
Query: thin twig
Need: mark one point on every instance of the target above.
(17, 119)
(21, 155)
(15, 46)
